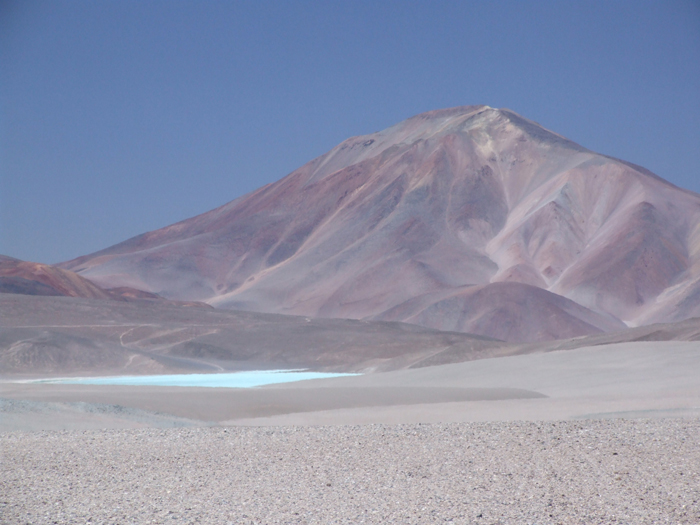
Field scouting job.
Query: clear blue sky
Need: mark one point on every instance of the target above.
(119, 117)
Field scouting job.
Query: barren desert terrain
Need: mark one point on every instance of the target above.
(519, 315)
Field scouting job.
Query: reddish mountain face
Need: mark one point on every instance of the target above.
(30, 278)
(471, 219)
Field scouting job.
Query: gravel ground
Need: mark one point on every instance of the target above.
(587, 472)
(27, 415)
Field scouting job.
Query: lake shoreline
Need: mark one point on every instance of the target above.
(239, 379)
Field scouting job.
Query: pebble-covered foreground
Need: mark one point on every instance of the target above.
(587, 472)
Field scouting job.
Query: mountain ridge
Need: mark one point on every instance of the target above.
(467, 196)
(20, 277)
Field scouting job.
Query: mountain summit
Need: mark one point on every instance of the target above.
(466, 219)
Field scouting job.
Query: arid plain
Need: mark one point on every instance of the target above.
(522, 314)
(589, 430)
(409, 374)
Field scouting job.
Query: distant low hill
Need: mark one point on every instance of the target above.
(68, 335)
(58, 336)
(30, 278)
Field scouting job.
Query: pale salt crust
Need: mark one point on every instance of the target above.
(587, 472)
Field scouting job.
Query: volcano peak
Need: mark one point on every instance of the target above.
(401, 223)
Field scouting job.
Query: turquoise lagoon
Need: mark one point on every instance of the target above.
(222, 380)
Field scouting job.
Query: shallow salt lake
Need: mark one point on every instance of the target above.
(224, 380)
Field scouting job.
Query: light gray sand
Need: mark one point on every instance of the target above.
(582, 472)
(504, 471)
(649, 379)
(127, 407)
(641, 379)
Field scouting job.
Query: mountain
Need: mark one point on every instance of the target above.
(72, 335)
(467, 219)
(31, 278)
(44, 336)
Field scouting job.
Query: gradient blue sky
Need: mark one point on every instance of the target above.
(119, 117)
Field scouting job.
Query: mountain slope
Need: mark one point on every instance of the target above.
(69, 335)
(30, 278)
(447, 200)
